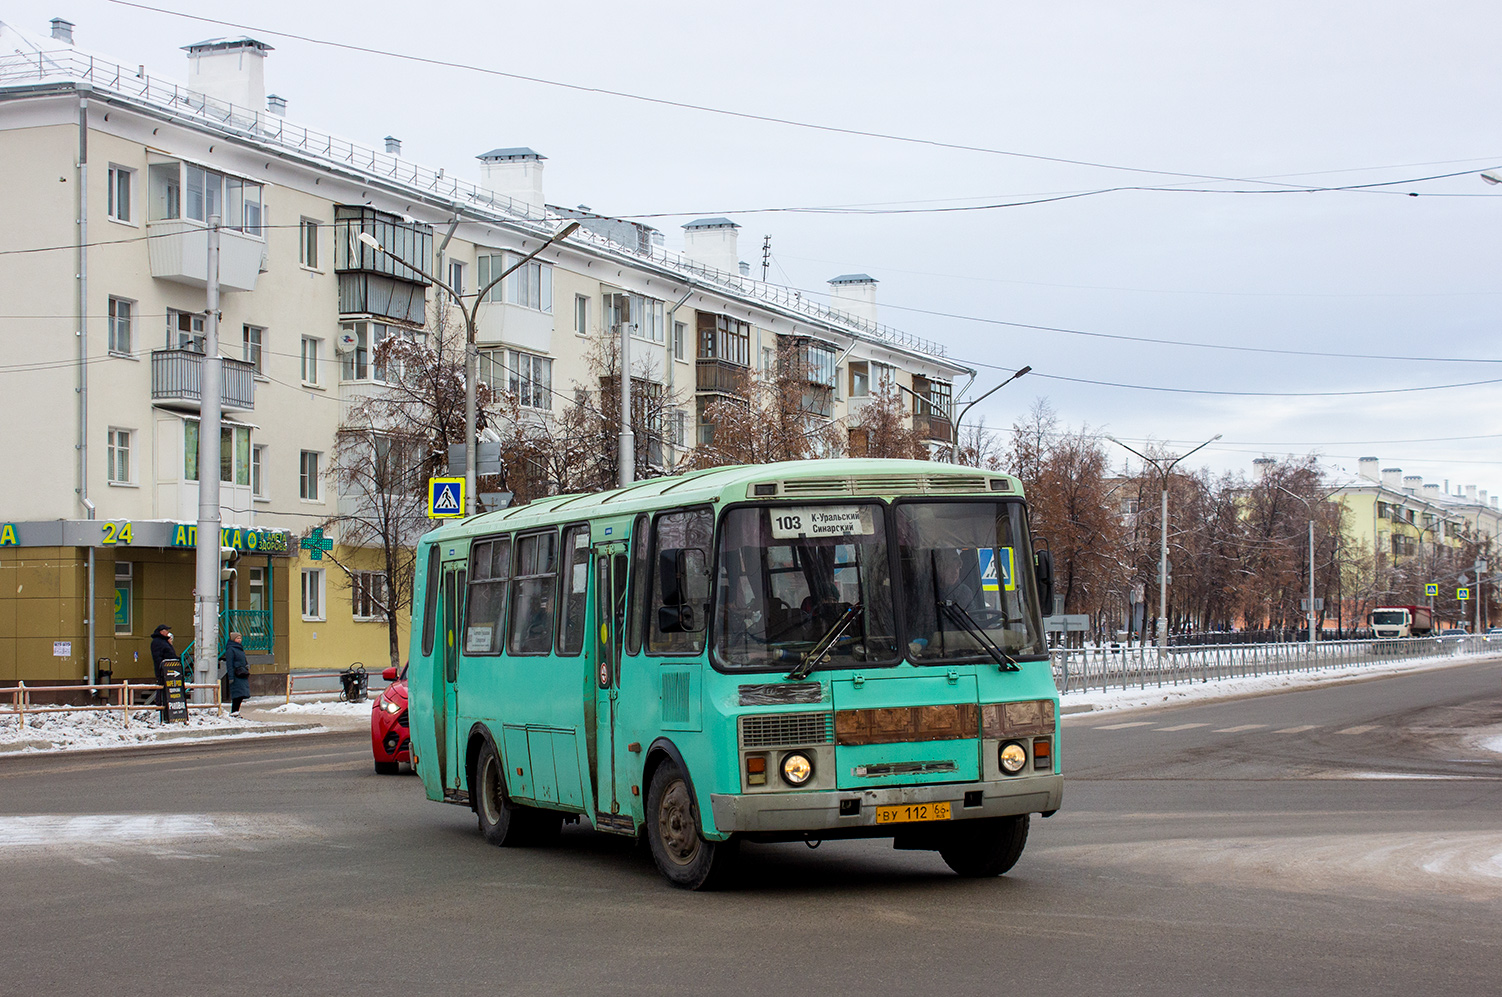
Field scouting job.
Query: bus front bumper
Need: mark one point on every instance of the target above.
(834, 810)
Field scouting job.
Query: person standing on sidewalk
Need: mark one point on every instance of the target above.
(237, 670)
(162, 652)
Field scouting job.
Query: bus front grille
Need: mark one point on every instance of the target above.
(779, 729)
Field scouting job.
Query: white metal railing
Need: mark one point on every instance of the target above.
(1141, 667)
(67, 65)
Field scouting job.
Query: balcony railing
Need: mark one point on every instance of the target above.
(932, 427)
(178, 375)
(721, 376)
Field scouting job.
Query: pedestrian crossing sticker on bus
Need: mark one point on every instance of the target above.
(989, 563)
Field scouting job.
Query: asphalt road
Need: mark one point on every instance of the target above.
(1323, 842)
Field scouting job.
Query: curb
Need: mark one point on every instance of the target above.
(163, 737)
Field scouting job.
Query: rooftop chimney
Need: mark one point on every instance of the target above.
(276, 105)
(514, 173)
(1261, 466)
(854, 293)
(1413, 483)
(393, 145)
(1367, 468)
(1470, 493)
(1482, 495)
(62, 30)
(1431, 491)
(1494, 502)
(232, 70)
(712, 242)
(1392, 477)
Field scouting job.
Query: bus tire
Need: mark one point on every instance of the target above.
(679, 848)
(985, 847)
(501, 821)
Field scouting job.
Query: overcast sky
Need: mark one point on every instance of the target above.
(1313, 94)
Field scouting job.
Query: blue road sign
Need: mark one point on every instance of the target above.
(991, 566)
(445, 498)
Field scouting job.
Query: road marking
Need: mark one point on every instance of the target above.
(1236, 730)
(1297, 730)
(1166, 730)
(1358, 730)
(1138, 723)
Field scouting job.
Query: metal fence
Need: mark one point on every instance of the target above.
(1141, 667)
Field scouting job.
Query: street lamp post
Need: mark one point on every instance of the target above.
(1309, 617)
(471, 352)
(954, 449)
(1163, 543)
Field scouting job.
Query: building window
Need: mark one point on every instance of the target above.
(166, 191)
(121, 313)
(237, 202)
(125, 584)
(581, 315)
(644, 316)
(234, 453)
(530, 285)
(367, 591)
(255, 581)
(456, 277)
(309, 360)
(528, 377)
(860, 379)
(121, 181)
(724, 338)
(307, 476)
(117, 457)
(312, 593)
(360, 363)
(680, 333)
(185, 331)
(307, 243)
(257, 462)
(677, 427)
(253, 339)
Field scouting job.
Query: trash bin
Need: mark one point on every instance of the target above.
(353, 682)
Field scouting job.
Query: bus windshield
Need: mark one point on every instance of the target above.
(966, 580)
(791, 575)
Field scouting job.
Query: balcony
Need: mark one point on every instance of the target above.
(721, 377)
(933, 427)
(176, 375)
(179, 251)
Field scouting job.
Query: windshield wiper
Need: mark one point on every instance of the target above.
(967, 623)
(819, 653)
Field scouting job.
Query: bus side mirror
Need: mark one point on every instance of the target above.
(1043, 571)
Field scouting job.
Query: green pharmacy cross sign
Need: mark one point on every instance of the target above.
(316, 543)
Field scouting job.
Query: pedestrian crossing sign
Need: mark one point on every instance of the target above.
(445, 498)
(1462, 594)
(996, 573)
(1432, 588)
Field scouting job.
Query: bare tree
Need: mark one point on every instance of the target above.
(881, 428)
(782, 413)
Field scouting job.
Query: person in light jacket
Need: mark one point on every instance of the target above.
(237, 670)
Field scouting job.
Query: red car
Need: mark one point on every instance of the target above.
(389, 737)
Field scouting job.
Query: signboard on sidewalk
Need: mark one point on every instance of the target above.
(174, 693)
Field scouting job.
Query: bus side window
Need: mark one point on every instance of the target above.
(680, 586)
(574, 586)
(640, 551)
(489, 569)
(432, 579)
(532, 594)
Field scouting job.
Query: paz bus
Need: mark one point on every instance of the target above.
(802, 651)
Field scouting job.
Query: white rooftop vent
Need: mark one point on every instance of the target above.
(62, 30)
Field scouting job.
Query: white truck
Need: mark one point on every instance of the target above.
(1402, 621)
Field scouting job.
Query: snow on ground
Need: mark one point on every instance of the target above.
(1096, 701)
(321, 707)
(1492, 744)
(108, 729)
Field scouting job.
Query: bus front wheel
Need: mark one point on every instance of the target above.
(676, 838)
(501, 821)
(985, 847)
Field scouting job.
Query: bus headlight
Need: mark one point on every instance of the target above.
(1012, 757)
(797, 768)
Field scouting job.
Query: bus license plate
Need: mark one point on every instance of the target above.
(912, 812)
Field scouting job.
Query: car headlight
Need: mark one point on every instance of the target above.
(797, 769)
(1012, 757)
(390, 707)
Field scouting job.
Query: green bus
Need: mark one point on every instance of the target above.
(803, 651)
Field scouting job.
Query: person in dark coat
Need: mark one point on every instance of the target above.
(237, 670)
(162, 651)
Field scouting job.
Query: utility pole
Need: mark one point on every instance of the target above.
(206, 626)
(766, 256)
(626, 461)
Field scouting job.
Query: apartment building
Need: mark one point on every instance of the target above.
(1399, 515)
(110, 177)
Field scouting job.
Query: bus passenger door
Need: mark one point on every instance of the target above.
(610, 615)
(450, 763)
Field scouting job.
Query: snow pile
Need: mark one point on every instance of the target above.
(107, 729)
(325, 708)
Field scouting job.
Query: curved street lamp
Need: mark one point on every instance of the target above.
(1163, 544)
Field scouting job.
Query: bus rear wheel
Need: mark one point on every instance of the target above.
(985, 847)
(502, 822)
(676, 838)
